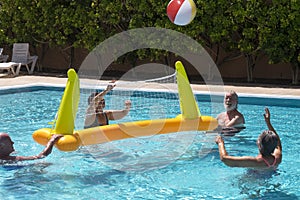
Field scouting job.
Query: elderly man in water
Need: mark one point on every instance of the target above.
(231, 118)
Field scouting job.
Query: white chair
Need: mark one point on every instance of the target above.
(21, 55)
(3, 58)
(10, 67)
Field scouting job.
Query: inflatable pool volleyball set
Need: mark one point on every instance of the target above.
(190, 119)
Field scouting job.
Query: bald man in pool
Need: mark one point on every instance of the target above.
(6, 148)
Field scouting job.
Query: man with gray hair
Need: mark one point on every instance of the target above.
(231, 118)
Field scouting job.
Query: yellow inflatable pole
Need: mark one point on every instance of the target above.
(68, 107)
(65, 119)
(188, 105)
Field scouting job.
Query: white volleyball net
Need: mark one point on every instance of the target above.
(153, 95)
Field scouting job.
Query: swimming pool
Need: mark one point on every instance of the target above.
(174, 166)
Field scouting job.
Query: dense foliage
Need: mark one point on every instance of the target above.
(243, 27)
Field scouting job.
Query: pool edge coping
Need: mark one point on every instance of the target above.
(195, 91)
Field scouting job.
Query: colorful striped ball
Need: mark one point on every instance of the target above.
(181, 12)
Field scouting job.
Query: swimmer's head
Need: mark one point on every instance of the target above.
(267, 142)
(230, 101)
(92, 95)
(6, 144)
(100, 105)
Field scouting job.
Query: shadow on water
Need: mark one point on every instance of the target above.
(24, 165)
(26, 181)
(256, 184)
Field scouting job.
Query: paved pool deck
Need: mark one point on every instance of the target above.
(264, 90)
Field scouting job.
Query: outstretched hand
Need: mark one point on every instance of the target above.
(48, 148)
(127, 104)
(267, 115)
(110, 86)
(55, 137)
(219, 139)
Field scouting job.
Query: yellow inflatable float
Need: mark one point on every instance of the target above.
(189, 119)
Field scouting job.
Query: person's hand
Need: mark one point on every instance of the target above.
(127, 104)
(110, 86)
(48, 148)
(219, 139)
(267, 115)
(56, 137)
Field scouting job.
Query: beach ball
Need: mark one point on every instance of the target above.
(181, 12)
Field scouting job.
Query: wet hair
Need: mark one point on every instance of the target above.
(92, 95)
(267, 142)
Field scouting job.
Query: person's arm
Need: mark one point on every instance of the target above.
(101, 95)
(45, 152)
(221, 119)
(232, 122)
(234, 161)
(267, 117)
(119, 114)
(238, 119)
(90, 114)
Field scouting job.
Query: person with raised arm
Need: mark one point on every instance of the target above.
(95, 114)
(269, 146)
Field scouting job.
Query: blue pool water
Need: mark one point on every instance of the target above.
(173, 166)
